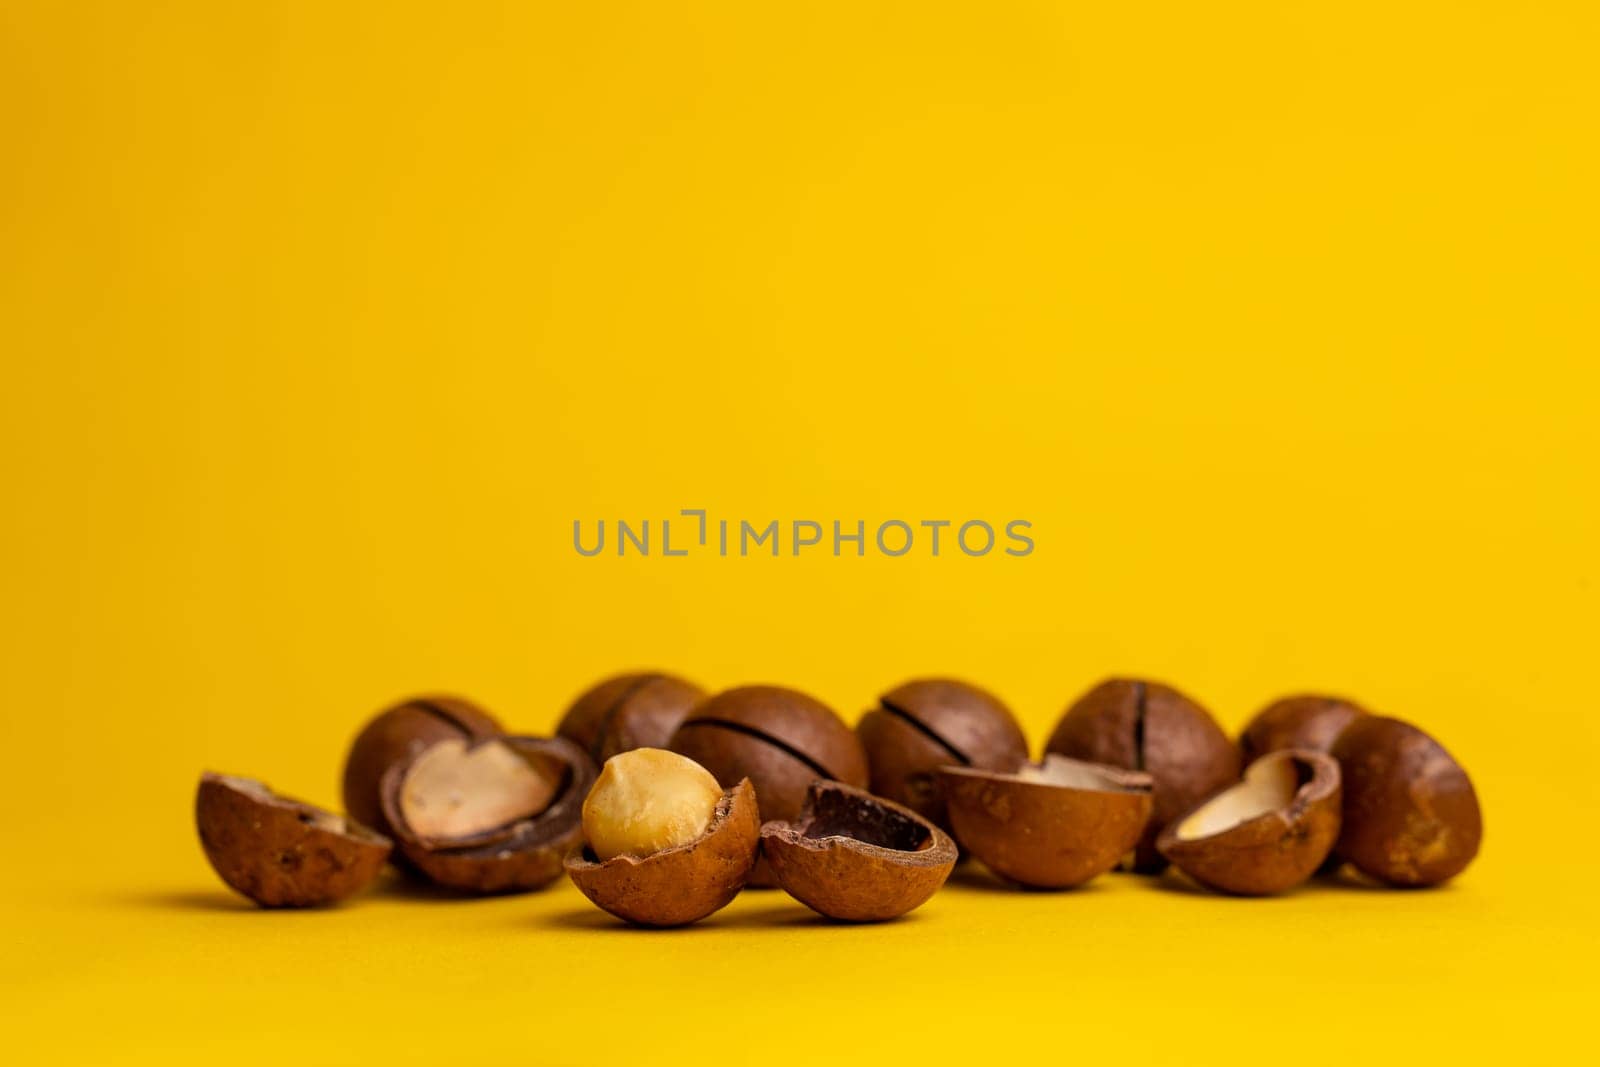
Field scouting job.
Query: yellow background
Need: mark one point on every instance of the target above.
(322, 322)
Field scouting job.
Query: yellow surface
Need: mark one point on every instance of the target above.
(323, 322)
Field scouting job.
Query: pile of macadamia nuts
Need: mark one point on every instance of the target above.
(662, 803)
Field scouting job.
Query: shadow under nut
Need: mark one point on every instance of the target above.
(967, 719)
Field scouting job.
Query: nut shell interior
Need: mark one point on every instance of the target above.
(681, 885)
(520, 854)
(1150, 727)
(281, 852)
(856, 857)
(396, 735)
(1411, 815)
(1052, 825)
(1266, 834)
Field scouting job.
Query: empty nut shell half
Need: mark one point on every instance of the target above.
(1266, 834)
(1051, 825)
(1150, 727)
(496, 815)
(397, 734)
(1411, 816)
(679, 885)
(627, 712)
(856, 857)
(930, 723)
(283, 853)
(1306, 722)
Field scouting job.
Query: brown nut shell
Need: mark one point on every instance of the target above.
(522, 855)
(1411, 816)
(781, 739)
(680, 885)
(1150, 727)
(930, 723)
(1304, 722)
(627, 712)
(397, 735)
(279, 852)
(856, 857)
(1052, 825)
(1265, 834)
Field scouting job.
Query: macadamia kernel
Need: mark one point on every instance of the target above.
(646, 801)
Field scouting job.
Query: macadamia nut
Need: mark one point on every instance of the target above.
(648, 800)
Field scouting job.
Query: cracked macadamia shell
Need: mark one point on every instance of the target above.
(397, 735)
(518, 832)
(856, 857)
(627, 712)
(1411, 816)
(1051, 825)
(1304, 722)
(1150, 727)
(930, 723)
(1265, 834)
(780, 739)
(283, 853)
(678, 885)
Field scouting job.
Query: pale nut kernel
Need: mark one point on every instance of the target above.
(648, 800)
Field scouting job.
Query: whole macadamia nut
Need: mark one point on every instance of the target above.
(923, 725)
(1146, 726)
(629, 711)
(1311, 723)
(1411, 816)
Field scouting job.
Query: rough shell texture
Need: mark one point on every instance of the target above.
(780, 739)
(1411, 816)
(1303, 722)
(280, 852)
(1150, 727)
(627, 712)
(1274, 851)
(679, 885)
(931, 723)
(396, 736)
(1046, 835)
(524, 855)
(856, 857)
